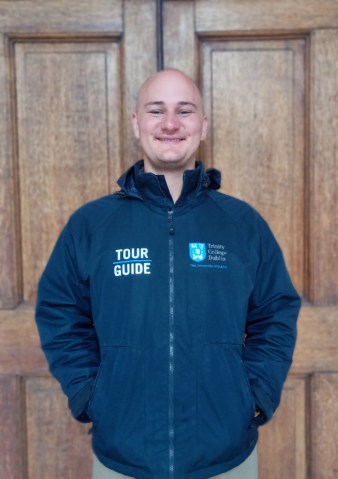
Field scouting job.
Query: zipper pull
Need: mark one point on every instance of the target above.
(171, 222)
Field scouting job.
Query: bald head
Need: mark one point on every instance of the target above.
(169, 122)
(167, 77)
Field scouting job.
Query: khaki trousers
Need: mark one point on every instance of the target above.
(247, 470)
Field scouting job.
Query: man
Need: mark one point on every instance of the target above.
(166, 311)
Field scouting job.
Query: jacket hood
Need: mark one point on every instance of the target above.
(148, 186)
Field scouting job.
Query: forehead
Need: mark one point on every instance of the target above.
(169, 88)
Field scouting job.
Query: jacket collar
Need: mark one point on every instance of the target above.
(153, 188)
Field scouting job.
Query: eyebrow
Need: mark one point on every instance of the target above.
(180, 103)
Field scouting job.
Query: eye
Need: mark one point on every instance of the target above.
(155, 112)
(185, 112)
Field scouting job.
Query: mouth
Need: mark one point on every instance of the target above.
(169, 141)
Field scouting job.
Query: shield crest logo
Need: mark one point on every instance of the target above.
(197, 251)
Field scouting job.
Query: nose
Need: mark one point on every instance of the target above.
(170, 122)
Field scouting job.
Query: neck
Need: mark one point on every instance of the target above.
(175, 183)
(173, 177)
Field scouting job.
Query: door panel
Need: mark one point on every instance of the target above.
(68, 138)
(58, 446)
(69, 73)
(323, 175)
(272, 18)
(256, 113)
(12, 453)
(284, 439)
(268, 73)
(324, 407)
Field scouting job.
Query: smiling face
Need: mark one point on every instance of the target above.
(169, 122)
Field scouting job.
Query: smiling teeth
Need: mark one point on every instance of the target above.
(170, 140)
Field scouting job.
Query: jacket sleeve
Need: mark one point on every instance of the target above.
(271, 327)
(64, 320)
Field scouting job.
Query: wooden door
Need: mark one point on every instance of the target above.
(269, 75)
(69, 72)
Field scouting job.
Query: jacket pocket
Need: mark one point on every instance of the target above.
(247, 382)
(225, 404)
(92, 394)
(117, 406)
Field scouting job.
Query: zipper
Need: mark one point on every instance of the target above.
(171, 428)
(171, 222)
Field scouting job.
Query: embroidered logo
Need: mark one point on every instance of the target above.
(130, 261)
(197, 251)
(213, 255)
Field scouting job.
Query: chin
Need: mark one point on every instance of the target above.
(174, 163)
(162, 163)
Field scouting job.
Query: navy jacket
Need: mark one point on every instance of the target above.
(168, 325)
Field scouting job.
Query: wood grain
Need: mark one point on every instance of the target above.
(324, 407)
(61, 16)
(10, 271)
(20, 20)
(179, 37)
(324, 170)
(282, 451)
(64, 92)
(254, 95)
(139, 62)
(317, 345)
(58, 446)
(20, 352)
(12, 430)
(259, 15)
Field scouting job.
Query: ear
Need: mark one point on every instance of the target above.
(136, 129)
(204, 128)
